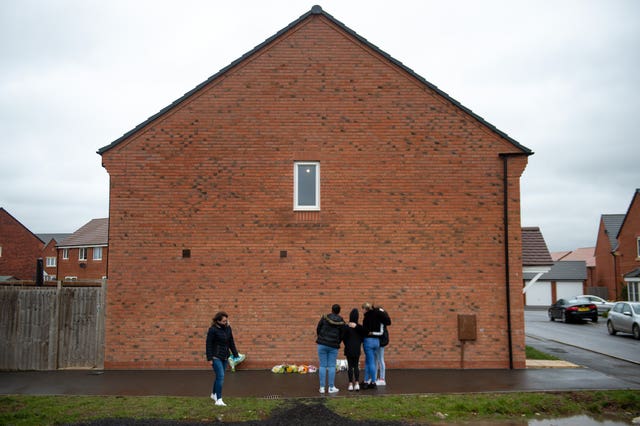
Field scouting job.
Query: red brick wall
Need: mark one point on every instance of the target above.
(411, 215)
(605, 268)
(20, 248)
(629, 233)
(73, 266)
(50, 251)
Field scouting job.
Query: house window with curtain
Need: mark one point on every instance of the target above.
(306, 186)
(97, 253)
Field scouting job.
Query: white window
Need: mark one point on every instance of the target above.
(97, 253)
(51, 262)
(82, 254)
(306, 186)
(65, 254)
(71, 278)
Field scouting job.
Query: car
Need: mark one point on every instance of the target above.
(573, 310)
(624, 317)
(603, 305)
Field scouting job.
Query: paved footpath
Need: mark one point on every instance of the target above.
(265, 384)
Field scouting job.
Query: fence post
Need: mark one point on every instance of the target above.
(100, 324)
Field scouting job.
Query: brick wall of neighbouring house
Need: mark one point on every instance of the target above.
(89, 269)
(20, 248)
(605, 267)
(411, 214)
(628, 238)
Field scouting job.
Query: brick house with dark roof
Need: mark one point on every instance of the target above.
(628, 249)
(316, 169)
(19, 248)
(607, 266)
(50, 254)
(83, 254)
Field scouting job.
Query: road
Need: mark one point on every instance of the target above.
(586, 344)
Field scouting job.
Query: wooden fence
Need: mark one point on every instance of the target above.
(50, 328)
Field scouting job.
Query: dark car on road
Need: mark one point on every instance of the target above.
(568, 310)
(624, 317)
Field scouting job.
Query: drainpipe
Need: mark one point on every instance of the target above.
(507, 270)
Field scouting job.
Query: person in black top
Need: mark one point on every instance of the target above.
(373, 330)
(353, 337)
(219, 343)
(329, 331)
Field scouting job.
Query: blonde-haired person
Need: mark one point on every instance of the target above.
(219, 343)
(373, 329)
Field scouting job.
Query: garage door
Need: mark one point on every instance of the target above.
(539, 294)
(568, 289)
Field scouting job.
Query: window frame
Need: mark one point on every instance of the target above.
(82, 254)
(296, 204)
(65, 254)
(50, 262)
(96, 250)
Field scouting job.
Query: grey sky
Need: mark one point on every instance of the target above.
(560, 77)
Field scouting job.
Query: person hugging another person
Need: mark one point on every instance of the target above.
(330, 331)
(373, 329)
(352, 339)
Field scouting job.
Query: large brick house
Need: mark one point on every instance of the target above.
(617, 252)
(628, 250)
(19, 248)
(314, 170)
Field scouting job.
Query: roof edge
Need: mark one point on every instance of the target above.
(316, 10)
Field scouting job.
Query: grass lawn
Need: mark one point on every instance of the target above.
(49, 410)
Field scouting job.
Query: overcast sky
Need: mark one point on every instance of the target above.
(560, 77)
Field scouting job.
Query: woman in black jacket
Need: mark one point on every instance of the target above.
(329, 333)
(219, 343)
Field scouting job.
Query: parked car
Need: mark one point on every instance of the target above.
(603, 305)
(573, 310)
(624, 317)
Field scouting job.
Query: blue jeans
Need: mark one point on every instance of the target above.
(371, 345)
(380, 361)
(327, 356)
(218, 368)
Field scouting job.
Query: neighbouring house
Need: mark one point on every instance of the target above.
(564, 280)
(19, 248)
(617, 252)
(536, 261)
(587, 255)
(607, 266)
(628, 249)
(50, 254)
(83, 255)
(316, 169)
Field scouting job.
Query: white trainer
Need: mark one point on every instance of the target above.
(381, 382)
(333, 389)
(221, 403)
(321, 390)
(214, 397)
(350, 386)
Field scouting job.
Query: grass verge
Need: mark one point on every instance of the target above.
(49, 410)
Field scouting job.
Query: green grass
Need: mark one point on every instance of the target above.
(49, 410)
(533, 353)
